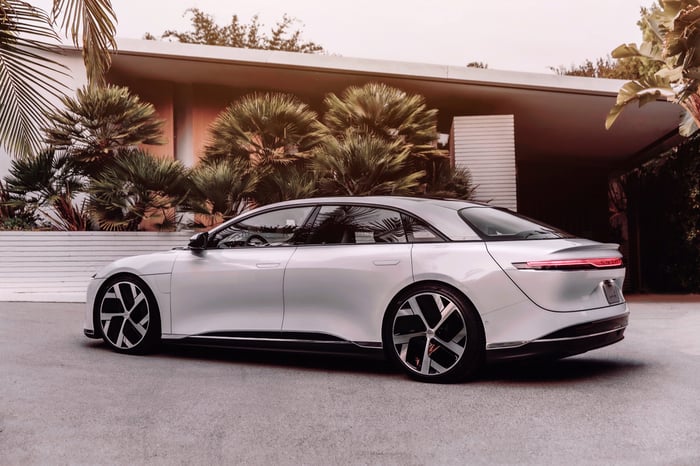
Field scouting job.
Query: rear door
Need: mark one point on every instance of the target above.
(355, 260)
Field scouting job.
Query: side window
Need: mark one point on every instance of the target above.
(277, 228)
(349, 224)
(419, 232)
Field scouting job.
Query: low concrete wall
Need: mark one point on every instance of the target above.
(57, 266)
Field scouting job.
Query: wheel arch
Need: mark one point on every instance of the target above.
(108, 281)
(420, 283)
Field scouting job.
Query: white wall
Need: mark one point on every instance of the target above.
(486, 146)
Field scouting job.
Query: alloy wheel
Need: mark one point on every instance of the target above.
(125, 315)
(429, 334)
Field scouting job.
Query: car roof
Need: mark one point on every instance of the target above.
(438, 212)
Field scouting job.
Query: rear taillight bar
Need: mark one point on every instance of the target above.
(571, 264)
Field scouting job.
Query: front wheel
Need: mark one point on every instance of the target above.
(434, 335)
(127, 315)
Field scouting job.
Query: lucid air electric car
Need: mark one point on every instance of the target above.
(439, 286)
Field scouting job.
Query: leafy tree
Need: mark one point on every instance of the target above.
(608, 67)
(28, 74)
(365, 164)
(99, 123)
(138, 187)
(238, 34)
(670, 32)
(48, 183)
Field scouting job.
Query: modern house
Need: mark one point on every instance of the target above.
(535, 143)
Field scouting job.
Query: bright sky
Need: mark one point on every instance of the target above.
(522, 35)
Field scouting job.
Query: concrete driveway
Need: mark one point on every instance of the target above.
(65, 399)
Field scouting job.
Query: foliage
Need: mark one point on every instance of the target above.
(608, 67)
(12, 215)
(450, 182)
(99, 123)
(365, 164)
(265, 129)
(391, 115)
(238, 34)
(222, 188)
(670, 32)
(294, 181)
(668, 197)
(138, 187)
(28, 74)
(272, 135)
(47, 184)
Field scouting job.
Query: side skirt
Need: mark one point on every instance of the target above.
(281, 341)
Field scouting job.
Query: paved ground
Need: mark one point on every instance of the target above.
(68, 400)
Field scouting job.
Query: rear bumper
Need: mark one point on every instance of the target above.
(568, 341)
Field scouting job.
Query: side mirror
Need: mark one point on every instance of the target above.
(199, 241)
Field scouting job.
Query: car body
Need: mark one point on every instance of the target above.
(440, 286)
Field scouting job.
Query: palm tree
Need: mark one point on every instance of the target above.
(48, 183)
(99, 123)
(671, 33)
(28, 74)
(364, 164)
(273, 135)
(392, 115)
(265, 129)
(138, 187)
(388, 113)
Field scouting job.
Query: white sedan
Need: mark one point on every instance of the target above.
(439, 286)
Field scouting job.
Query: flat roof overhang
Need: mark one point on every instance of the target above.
(558, 119)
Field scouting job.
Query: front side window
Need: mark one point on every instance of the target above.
(497, 224)
(348, 224)
(282, 227)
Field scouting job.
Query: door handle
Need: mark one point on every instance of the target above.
(386, 262)
(267, 265)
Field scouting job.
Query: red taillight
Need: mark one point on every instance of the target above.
(571, 264)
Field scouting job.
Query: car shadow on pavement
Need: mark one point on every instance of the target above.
(575, 369)
(561, 370)
(315, 361)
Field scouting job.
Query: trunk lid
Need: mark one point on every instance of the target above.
(563, 275)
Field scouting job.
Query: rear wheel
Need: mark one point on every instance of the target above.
(127, 315)
(434, 335)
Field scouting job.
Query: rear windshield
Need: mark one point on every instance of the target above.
(499, 224)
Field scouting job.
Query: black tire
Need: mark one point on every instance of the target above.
(127, 316)
(434, 335)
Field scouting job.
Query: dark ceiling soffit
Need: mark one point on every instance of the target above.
(372, 73)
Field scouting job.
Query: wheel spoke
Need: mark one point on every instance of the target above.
(415, 308)
(406, 337)
(451, 345)
(425, 362)
(445, 313)
(138, 299)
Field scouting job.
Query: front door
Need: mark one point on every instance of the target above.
(236, 284)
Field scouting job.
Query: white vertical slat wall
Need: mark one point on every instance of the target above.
(57, 266)
(486, 146)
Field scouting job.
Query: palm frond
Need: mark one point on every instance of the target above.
(91, 25)
(27, 76)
